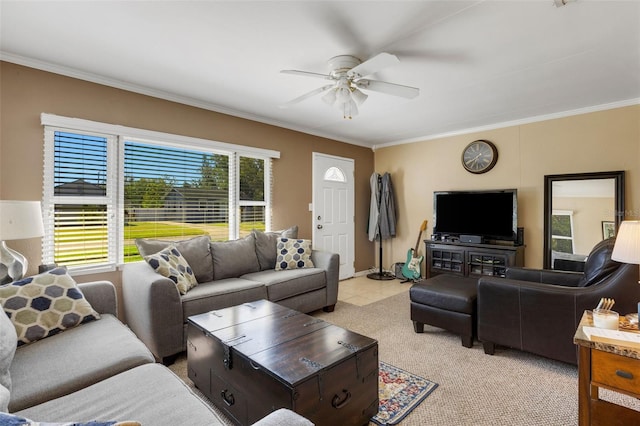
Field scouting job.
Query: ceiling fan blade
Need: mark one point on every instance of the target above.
(307, 74)
(388, 88)
(307, 95)
(368, 67)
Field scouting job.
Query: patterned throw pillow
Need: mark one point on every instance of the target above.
(44, 305)
(170, 263)
(293, 254)
(7, 419)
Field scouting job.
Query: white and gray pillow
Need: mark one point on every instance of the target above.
(293, 254)
(171, 264)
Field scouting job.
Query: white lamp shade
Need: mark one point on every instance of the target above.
(627, 247)
(330, 97)
(358, 96)
(20, 220)
(343, 95)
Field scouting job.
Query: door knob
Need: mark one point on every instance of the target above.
(319, 226)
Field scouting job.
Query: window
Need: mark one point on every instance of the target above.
(253, 202)
(103, 190)
(334, 174)
(562, 231)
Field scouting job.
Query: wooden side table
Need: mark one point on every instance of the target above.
(610, 366)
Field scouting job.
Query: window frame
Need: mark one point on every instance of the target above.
(114, 199)
(568, 213)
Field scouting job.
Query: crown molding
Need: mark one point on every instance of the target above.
(143, 90)
(519, 122)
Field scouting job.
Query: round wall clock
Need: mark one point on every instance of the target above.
(479, 156)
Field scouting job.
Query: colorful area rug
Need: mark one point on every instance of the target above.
(399, 393)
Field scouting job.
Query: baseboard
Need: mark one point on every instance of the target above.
(370, 271)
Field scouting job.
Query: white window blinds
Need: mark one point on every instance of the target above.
(173, 193)
(106, 185)
(78, 200)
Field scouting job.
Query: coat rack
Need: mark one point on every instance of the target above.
(389, 205)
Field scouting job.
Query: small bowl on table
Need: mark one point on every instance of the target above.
(604, 318)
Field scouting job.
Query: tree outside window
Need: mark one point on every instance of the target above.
(562, 231)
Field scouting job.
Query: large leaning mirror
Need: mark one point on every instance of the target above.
(581, 209)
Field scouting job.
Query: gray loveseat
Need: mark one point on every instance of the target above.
(228, 273)
(99, 371)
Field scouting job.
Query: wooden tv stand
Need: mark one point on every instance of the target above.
(474, 260)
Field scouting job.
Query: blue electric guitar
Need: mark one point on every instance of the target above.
(412, 267)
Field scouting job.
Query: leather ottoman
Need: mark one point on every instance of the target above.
(446, 301)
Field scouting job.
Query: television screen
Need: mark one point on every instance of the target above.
(489, 214)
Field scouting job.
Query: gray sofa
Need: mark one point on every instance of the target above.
(228, 273)
(99, 371)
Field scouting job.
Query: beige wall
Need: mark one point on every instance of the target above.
(26, 93)
(599, 141)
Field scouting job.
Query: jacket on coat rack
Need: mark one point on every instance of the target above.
(382, 210)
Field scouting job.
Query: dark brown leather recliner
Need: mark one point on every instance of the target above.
(538, 310)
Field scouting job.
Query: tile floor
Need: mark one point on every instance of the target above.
(361, 291)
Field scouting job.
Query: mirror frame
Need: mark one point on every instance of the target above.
(618, 177)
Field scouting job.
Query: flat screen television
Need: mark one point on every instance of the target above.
(492, 215)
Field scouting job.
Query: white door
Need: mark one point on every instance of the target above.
(333, 208)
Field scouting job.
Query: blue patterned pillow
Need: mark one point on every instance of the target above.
(293, 254)
(170, 263)
(45, 304)
(13, 420)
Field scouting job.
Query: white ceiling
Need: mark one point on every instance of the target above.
(477, 63)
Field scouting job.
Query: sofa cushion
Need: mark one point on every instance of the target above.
(195, 250)
(234, 258)
(14, 420)
(150, 394)
(266, 243)
(293, 254)
(221, 294)
(44, 305)
(171, 264)
(288, 283)
(8, 341)
(73, 360)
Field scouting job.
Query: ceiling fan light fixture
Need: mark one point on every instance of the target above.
(343, 94)
(348, 75)
(358, 96)
(330, 97)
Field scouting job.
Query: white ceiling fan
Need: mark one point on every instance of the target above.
(347, 75)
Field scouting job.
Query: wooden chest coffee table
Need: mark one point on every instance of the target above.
(252, 359)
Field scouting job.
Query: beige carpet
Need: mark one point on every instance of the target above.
(508, 388)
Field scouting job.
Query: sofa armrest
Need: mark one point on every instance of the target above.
(101, 295)
(330, 262)
(283, 416)
(547, 276)
(153, 309)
